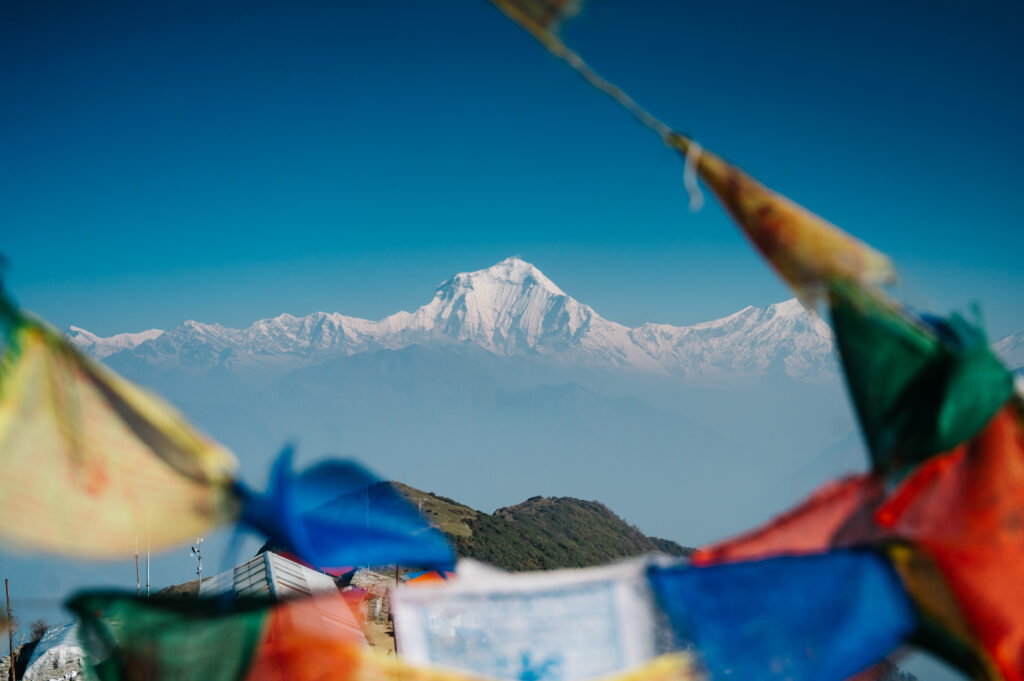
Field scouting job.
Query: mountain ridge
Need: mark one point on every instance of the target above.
(508, 309)
(101, 347)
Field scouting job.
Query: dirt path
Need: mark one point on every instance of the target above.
(380, 636)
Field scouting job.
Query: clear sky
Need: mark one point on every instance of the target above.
(231, 161)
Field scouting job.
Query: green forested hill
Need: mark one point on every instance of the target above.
(540, 533)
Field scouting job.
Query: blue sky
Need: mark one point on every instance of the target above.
(231, 161)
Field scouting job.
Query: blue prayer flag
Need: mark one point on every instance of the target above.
(801, 618)
(338, 513)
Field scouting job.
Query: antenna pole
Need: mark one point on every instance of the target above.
(197, 551)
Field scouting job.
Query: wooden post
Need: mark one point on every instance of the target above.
(10, 628)
(391, 614)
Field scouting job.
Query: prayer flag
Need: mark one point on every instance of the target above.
(338, 513)
(92, 465)
(920, 387)
(808, 252)
(808, 618)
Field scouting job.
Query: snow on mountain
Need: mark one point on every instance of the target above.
(1011, 350)
(510, 308)
(104, 347)
(747, 342)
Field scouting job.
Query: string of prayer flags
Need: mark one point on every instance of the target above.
(186, 639)
(808, 252)
(930, 389)
(809, 618)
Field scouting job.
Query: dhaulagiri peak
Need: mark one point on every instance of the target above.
(512, 272)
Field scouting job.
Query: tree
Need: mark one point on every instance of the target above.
(37, 629)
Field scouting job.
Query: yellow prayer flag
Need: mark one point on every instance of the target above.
(807, 251)
(91, 465)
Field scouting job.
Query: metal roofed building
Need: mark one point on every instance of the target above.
(274, 576)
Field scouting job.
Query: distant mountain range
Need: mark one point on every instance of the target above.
(508, 309)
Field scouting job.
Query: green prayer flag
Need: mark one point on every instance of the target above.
(920, 388)
(188, 639)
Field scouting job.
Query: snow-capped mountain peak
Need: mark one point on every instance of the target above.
(507, 308)
(510, 308)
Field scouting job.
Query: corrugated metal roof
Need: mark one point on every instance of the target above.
(269, 574)
(58, 648)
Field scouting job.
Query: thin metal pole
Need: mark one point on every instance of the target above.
(147, 550)
(10, 628)
(138, 580)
